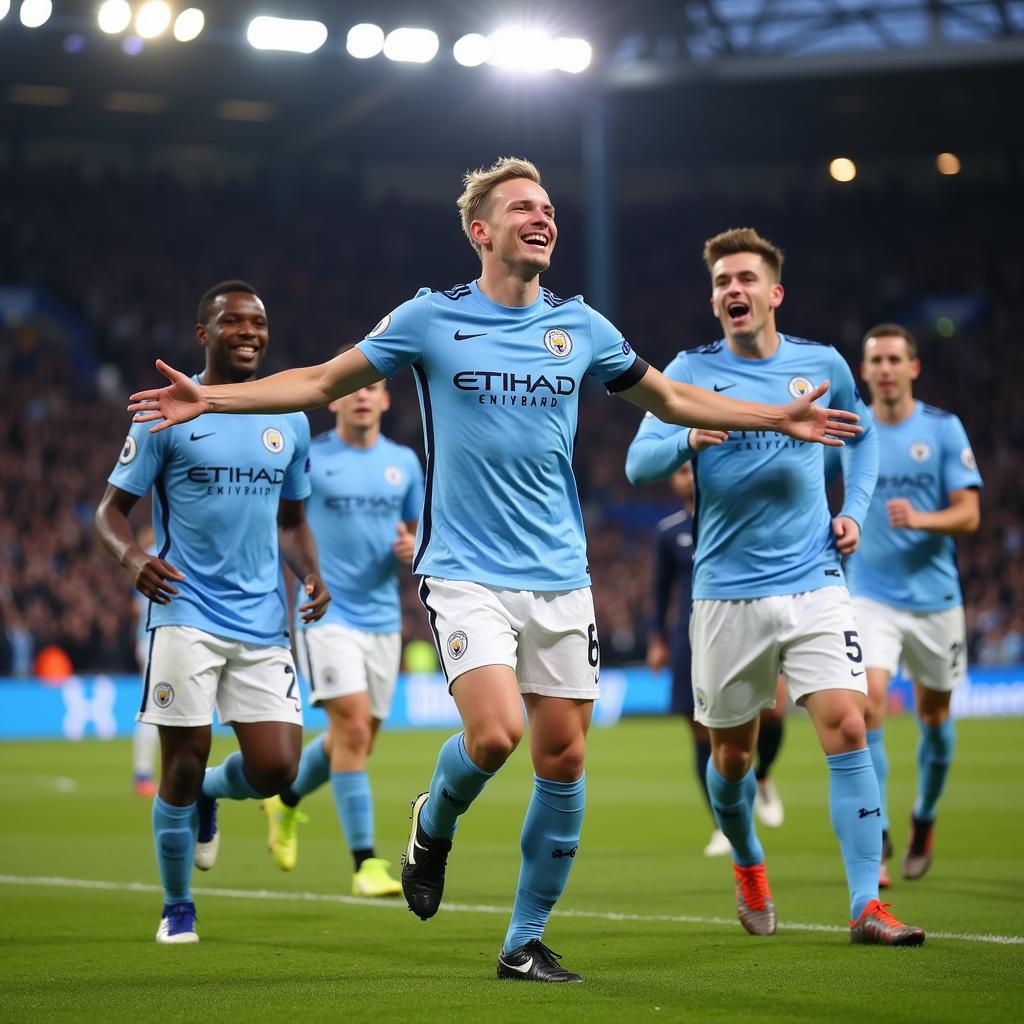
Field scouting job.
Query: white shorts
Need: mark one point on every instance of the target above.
(739, 648)
(548, 638)
(190, 672)
(933, 645)
(338, 661)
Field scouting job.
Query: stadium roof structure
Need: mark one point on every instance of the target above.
(894, 75)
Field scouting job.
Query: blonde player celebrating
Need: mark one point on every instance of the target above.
(366, 500)
(904, 578)
(499, 363)
(768, 591)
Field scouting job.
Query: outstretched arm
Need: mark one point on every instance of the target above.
(307, 387)
(298, 547)
(689, 405)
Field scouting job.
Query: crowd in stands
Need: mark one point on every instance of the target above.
(122, 262)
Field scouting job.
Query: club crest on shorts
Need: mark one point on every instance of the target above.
(919, 451)
(558, 342)
(129, 451)
(163, 695)
(457, 644)
(393, 475)
(701, 698)
(799, 386)
(273, 440)
(381, 326)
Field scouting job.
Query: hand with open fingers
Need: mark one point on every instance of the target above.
(700, 439)
(847, 534)
(152, 576)
(319, 598)
(180, 402)
(902, 515)
(808, 422)
(405, 545)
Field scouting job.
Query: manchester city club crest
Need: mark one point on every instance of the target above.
(457, 644)
(163, 695)
(273, 440)
(558, 342)
(393, 475)
(799, 386)
(919, 451)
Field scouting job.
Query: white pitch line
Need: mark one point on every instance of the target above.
(460, 908)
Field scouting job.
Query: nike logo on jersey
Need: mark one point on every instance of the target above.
(865, 813)
(724, 387)
(459, 336)
(521, 968)
(199, 437)
(831, 572)
(855, 674)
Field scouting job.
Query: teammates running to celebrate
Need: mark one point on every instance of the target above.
(501, 554)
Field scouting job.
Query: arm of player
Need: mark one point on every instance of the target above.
(150, 575)
(659, 449)
(658, 653)
(960, 517)
(859, 459)
(405, 543)
(306, 387)
(298, 547)
(691, 406)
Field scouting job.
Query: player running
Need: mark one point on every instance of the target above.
(366, 501)
(767, 584)
(904, 578)
(499, 364)
(227, 497)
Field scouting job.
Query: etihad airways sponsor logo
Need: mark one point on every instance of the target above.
(506, 387)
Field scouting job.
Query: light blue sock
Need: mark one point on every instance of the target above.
(314, 769)
(174, 835)
(880, 760)
(934, 756)
(228, 781)
(733, 805)
(456, 784)
(856, 813)
(550, 838)
(355, 808)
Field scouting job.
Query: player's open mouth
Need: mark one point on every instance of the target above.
(737, 310)
(537, 239)
(245, 351)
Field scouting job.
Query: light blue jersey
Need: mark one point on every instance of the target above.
(499, 390)
(360, 495)
(922, 459)
(217, 483)
(762, 525)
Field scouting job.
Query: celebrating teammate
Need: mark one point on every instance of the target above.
(767, 584)
(904, 578)
(226, 498)
(366, 500)
(499, 363)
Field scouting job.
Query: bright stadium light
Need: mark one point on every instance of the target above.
(5, 6)
(35, 13)
(189, 24)
(572, 55)
(523, 49)
(843, 169)
(947, 163)
(114, 16)
(153, 19)
(365, 41)
(413, 45)
(289, 34)
(473, 50)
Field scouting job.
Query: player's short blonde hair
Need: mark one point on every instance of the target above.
(735, 240)
(474, 203)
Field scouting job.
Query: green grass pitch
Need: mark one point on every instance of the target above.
(646, 918)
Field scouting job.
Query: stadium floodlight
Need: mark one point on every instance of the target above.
(947, 163)
(473, 50)
(843, 169)
(523, 49)
(572, 55)
(5, 6)
(412, 45)
(189, 24)
(364, 41)
(35, 12)
(265, 33)
(153, 19)
(114, 16)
